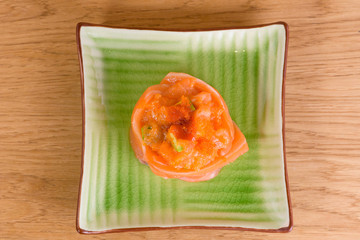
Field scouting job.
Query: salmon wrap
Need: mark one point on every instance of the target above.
(181, 128)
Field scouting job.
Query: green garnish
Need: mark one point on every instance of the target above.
(145, 131)
(174, 143)
(192, 107)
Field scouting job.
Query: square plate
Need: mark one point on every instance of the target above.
(246, 65)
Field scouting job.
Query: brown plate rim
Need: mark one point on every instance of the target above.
(279, 230)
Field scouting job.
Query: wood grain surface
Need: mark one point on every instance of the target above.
(40, 110)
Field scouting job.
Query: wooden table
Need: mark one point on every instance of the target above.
(40, 110)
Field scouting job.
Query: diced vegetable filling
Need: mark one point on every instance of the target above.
(186, 130)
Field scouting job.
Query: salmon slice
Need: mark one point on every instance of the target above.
(181, 128)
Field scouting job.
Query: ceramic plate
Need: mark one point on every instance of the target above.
(247, 67)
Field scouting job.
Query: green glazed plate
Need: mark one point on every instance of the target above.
(247, 67)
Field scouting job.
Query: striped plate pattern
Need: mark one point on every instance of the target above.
(245, 66)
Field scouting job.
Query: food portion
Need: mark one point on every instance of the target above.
(182, 129)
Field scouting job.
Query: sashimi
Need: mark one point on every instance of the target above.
(182, 129)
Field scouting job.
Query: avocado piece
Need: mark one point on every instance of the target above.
(145, 130)
(174, 143)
